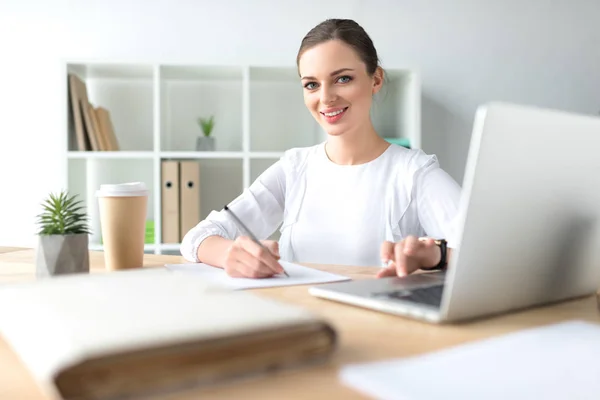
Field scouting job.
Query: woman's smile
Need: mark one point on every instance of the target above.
(332, 115)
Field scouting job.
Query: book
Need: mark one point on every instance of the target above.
(150, 331)
(106, 127)
(76, 91)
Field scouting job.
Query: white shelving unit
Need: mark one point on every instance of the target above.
(259, 113)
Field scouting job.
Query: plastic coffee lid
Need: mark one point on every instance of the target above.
(129, 189)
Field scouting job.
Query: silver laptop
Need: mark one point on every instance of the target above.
(530, 223)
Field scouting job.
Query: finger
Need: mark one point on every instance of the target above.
(273, 247)
(252, 267)
(237, 269)
(400, 259)
(387, 272)
(386, 252)
(262, 254)
(427, 242)
(240, 263)
(232, 265)
(425, 256)
(411, 246)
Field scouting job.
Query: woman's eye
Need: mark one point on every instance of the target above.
(310, 85)
(344, 79)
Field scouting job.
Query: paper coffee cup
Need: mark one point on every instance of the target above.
(123, 209)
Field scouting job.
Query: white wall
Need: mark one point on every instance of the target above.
(468, 51)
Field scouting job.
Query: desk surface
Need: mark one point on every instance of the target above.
(11, 249)
(364, 335)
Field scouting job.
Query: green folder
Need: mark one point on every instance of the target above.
(149, 232)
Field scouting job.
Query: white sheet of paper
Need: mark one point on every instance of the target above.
(559, 361)
(298, 275)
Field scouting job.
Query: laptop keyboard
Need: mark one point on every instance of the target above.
(430, 295)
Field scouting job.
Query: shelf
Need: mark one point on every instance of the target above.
(147, 247)
(116, 155)
(191, 92)
(279, 119)
(221, 181)
(85, 177)
(201, 154)
(259, 114)
(136, 155)
(275, 74)
(106, 70)
(396, 108)
(266, 154)
(170, 246)
(201, 73)
(126, 92)
(258, 166)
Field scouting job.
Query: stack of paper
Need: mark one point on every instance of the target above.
(560, 361)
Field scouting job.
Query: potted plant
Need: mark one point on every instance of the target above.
(63, 237)
(206, 142)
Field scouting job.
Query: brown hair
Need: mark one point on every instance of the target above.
(347, 31)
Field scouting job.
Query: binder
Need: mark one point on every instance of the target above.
(170, 201)
(189, 187)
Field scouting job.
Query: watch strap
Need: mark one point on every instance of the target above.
(443, 245)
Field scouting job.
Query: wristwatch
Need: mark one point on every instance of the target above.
(443, 245)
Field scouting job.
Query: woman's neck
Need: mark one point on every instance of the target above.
(355, 148)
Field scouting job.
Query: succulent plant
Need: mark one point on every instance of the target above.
(63, 215)
(207, 125)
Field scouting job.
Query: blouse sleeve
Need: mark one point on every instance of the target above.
(260, 207)
(438, 199)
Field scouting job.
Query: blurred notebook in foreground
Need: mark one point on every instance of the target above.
(138, 333)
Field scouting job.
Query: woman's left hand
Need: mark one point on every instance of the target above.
(408, 255)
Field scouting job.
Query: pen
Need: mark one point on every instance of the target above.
(254, 239)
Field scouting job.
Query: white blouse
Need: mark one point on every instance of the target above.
(340, 214)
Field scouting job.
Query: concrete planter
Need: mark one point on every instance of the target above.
(62, 255)
(205, 143)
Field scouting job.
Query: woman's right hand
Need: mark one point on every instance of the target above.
(246, 259)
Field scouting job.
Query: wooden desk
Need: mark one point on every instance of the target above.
(11, 249)
(364, 336)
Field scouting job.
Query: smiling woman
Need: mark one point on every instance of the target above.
(338, 90)
(340, 72)
(353, 199)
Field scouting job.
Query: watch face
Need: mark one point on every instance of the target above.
(438, 242)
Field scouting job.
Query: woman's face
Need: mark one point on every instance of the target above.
(337, 89)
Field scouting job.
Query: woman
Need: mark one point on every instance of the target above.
(354, 199)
